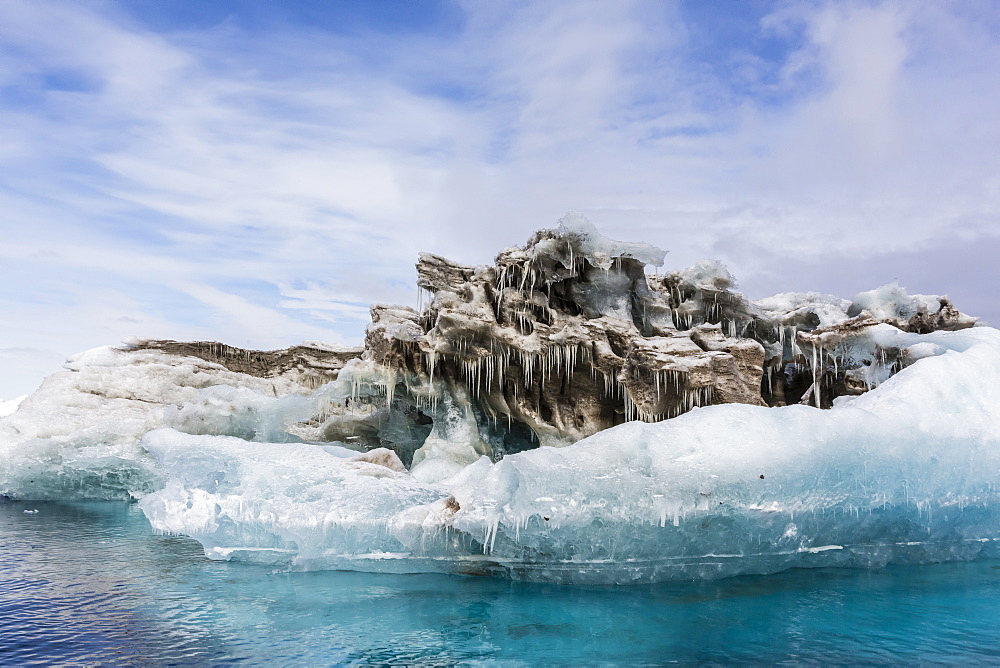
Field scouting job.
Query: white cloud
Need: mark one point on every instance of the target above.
(263, 187)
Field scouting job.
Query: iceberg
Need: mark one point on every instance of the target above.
(78, 436)
(907, 473)
(562, 416)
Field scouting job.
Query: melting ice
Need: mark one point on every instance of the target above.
(908, 472)
(429, 450)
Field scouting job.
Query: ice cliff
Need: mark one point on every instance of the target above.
(564, 414)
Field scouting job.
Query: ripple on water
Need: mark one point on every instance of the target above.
(90, 584)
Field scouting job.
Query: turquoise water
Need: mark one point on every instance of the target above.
(90, 584)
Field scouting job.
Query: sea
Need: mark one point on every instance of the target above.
(90, 584)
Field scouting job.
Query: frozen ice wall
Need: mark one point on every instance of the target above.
(909, 472)
(492, 432)
(78, 435)
(278, 502)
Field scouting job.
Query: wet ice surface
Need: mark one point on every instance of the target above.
(907, 473)
(90, 584)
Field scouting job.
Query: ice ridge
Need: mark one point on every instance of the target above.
(562, 415)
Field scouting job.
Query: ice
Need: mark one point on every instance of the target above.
(601, 250)
(708, 275)
(453, 444)
(356, 408)
(704, 293)
(604, 292)
(890, 303)
(9, 406)
(908, 472)
(467, 437)
(811, 309)
(269, 502)
(78, 435)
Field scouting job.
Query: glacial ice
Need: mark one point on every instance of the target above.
(909, 472)
(802, 430)
(599, 249)
(78, 435)
(276, 502)
(10, 405)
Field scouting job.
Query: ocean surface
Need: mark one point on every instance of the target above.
(90, 584)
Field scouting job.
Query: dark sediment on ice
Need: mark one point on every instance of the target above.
(569, 335)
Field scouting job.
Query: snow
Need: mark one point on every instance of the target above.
(601, 250)
(708, 275)
(890, 303)
(790, 308)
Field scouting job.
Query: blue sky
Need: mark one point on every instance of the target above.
(259, 172)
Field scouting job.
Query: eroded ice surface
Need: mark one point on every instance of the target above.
(600, 249)
(267, 457)
(908, 472)
(78, 435)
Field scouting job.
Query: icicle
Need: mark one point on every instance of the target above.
(815, 371)
(390, 388)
